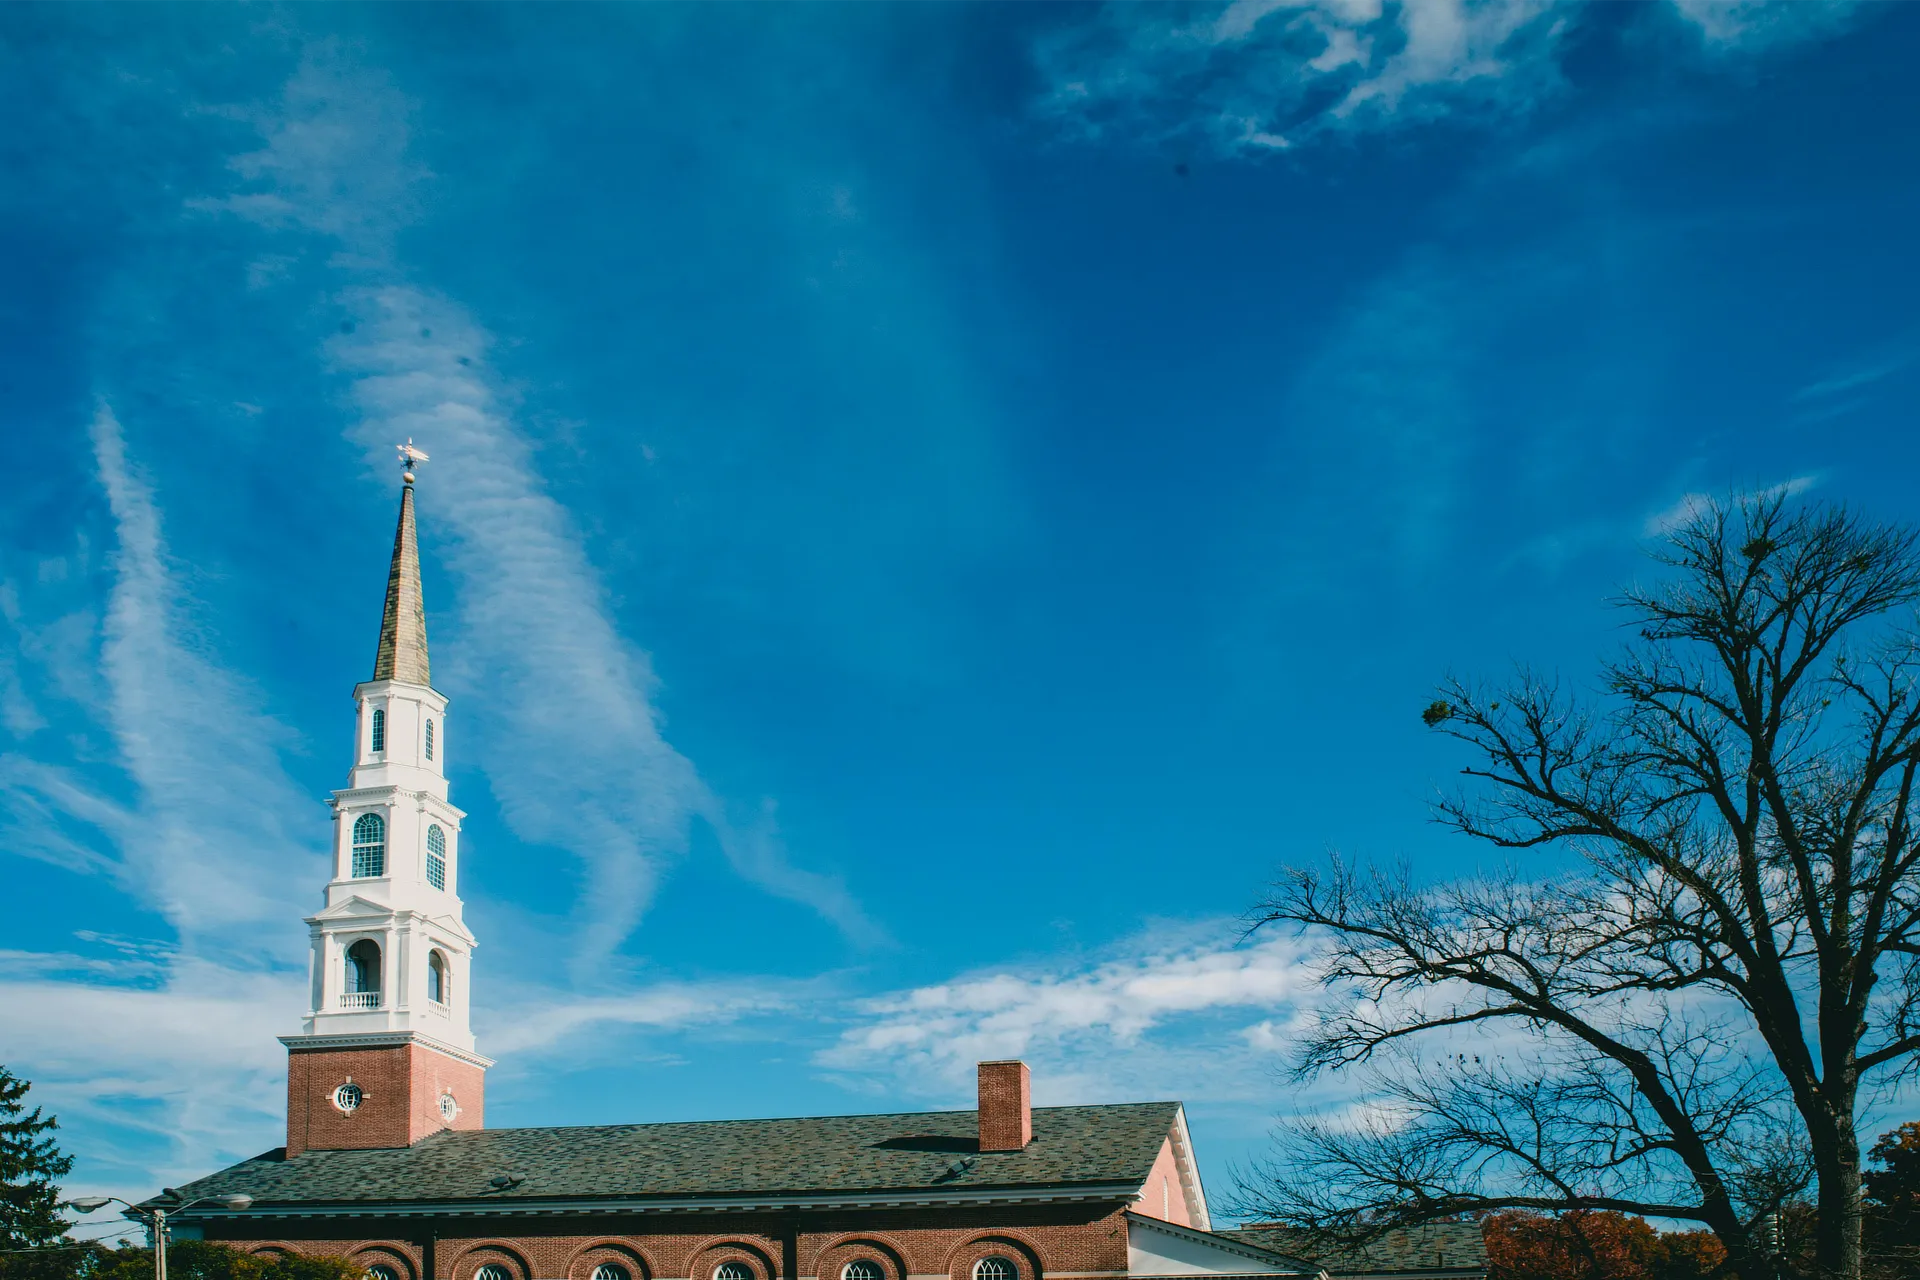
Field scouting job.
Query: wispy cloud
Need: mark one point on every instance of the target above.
(570, 736)
(190, 736)
(1181, 1003)
(1254, 76)
(1689, 505)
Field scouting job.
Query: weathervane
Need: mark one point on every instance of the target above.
(408, 456)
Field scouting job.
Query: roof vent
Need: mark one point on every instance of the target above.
(506, 1181)
(1006, 1106)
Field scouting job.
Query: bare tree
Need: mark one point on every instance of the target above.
(1679, 1014)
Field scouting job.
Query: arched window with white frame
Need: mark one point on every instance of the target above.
(436, 856)
(733, 1270)
(379, 730)
(439, 984)
(363, 975)
(429, 737)
(995, 1268)
(369, 846)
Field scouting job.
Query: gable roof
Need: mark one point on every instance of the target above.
(1427, 1248)
(1084, 1153)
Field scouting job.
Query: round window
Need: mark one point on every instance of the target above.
(448, 1107)
(995, 1269)
(381, 1271)
(348, 1096)
(733, 1271)
(862, 1269)
(611, 1271)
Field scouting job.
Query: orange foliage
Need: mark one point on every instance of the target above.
(1594, 1245)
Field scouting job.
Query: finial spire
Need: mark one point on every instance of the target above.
(402, 654)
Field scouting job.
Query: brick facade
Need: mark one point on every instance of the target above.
(1040, 1241)
(400, 1085)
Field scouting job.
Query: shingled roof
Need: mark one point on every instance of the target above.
(1425, 1249)
(919, 1157)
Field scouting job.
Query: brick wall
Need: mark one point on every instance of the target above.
(1039, 1241)
(400, 1096)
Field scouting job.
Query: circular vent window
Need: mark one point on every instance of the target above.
(448, 1107)
(348, 1096)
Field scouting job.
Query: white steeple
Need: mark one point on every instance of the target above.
(391, 954)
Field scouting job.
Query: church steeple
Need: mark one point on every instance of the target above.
(386, 1055)
(403, 624)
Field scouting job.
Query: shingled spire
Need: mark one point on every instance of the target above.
(403, 625)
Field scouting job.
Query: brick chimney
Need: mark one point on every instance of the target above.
(1006, 1106)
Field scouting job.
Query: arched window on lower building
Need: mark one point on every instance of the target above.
(437, 985)
(381, 1271)
(493, 1271)
(436, 857)
(611, 1271)
(363, 975)
(369, 846)
(861, 1269)
(995, 1269)
(733, 1271)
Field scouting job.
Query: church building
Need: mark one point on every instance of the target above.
(388, 1160)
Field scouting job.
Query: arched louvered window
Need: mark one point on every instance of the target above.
(429, 738)
(379, 729)
(363, 969)
(436, 857)
(437, 985)
(369, 846)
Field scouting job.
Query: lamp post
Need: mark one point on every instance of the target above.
(156, 1218)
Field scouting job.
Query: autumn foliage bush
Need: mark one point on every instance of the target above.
(1595, 1245)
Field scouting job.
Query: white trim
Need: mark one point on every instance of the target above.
(1189, 1171)
(382, 1040)
(574, 1206)
(1205, 1237)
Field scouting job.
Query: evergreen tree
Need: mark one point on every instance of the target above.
(29, 1164)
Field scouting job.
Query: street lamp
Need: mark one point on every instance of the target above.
(156, 1218)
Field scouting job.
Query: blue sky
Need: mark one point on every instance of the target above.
(929, 504)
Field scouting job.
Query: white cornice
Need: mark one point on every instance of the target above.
(381, 1040)
(573, 1206)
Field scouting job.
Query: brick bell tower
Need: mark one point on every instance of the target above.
(385, 1057)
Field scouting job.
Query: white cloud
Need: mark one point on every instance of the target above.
(1739, 25)
(568, 731)
(191, 738)
(1161, 1013)
(556, 1019)
(167, 1079)
(1689, 505)
(1255, 75)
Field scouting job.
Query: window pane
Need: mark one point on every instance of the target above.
(429, 739)
(379, 729)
